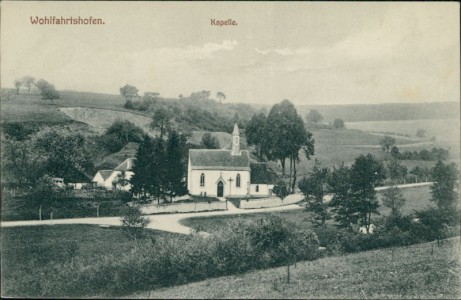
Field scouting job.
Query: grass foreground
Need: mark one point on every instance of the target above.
(417, 271)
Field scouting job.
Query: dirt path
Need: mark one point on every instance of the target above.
(166, 222)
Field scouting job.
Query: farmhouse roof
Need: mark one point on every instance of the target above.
(127, 165)
(211, 159)
(261, 173)
(105, 173)
(76, 176)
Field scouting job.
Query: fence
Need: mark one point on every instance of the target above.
(182, 207)
(270, 202)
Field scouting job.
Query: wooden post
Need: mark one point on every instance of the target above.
(288, 273)
(40, 212)
(97, 210)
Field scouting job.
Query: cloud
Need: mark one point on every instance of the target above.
(205, 51)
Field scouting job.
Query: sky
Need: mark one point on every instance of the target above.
(308, 52)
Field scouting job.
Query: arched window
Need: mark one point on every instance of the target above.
(202, 180)
(237, 181)
(257, 189)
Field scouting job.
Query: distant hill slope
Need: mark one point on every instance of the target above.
(385, 112)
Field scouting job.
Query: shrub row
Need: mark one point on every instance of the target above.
(169, 261)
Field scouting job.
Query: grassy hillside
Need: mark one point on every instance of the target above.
(36, 248)
(404, 272)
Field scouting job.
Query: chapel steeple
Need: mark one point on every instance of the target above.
(236, 141)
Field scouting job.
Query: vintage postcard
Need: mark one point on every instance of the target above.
(230, 149)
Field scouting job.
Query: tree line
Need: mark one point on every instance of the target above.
(47, 90)
(354, 199)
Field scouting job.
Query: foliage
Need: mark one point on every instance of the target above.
(50, 93)
(256, 132)
(128, 91)
(366, 173)
(209, 142)
(28, 81)
(64, 151)
(424, 154)
(133, 222)
(338, 124)
(280, 189)
(393, 198)
(387, 142)
(161, 120)
(314, 117)
(285, 136)
(340, 185)
(314, 187)
(119, 134)
(160, 167)
(420, 133)
(445, 182)
(220, 96)
(18, 131)
(176, 161)
(165, 261)
(396, 171)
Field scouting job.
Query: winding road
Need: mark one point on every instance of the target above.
(171, 222)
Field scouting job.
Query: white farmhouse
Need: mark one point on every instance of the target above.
(224, 173)
(112, 179)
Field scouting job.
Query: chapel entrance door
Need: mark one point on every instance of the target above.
(220, 189)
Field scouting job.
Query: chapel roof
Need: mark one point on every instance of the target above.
(218, 159)
(261, 173)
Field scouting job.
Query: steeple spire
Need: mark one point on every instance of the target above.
(236, 141)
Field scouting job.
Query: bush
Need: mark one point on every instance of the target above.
(133, 222)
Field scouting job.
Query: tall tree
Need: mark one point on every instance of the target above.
(161, 120)
(338, 124)
(366, 173)
(128, 91)
(256, 132)
(220, 96)
(286, 136)
(397, 171)
(340, 185)
(176, 164)
(158, 169)
(314, 187)
(445, 179)
(28, 81)
(314, 117)
(387, 142)
(393, 198)
(17, 85)
(142, 177)
(63, 151)
(120, 133)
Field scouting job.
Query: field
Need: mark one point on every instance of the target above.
(416, 199)
(332, 147)
(446, 131)
(35, 248)
(403, 272)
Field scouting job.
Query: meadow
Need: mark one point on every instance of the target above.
(37, 248)
(417, 198)
(446, 131)
(422, 271)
